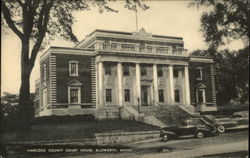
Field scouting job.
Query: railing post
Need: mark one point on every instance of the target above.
(138, 105)
(119, 46)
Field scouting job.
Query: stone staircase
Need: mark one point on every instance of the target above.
(161, 116)
(167, 114)
(172, 115)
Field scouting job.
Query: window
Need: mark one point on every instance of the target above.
(44, 97)
(161, 95)
(177, 96)
(107, 69)
(198, 73)
(143, 71)
(126, 70)
(74, 95)
(108, 95)
(127, 95)
(200, 96)
(73, 68)
(176, 73)
(44, 72)
(159, 72)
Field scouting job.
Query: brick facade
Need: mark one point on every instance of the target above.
(63, 77)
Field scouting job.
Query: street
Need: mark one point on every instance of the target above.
(227, 143)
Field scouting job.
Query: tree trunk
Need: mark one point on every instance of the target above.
(25, 108)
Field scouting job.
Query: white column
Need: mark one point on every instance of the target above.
(155, 81)
(187, 87)
(171, 84)
(119, 82)
(138, 82)
(97, 84)
(100, 83)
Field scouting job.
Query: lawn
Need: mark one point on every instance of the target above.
(76, 129)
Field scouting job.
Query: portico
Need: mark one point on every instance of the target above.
(148, 82)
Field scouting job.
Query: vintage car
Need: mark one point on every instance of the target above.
(237, 120)
(192, 126)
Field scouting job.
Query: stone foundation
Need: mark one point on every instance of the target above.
(124, 137)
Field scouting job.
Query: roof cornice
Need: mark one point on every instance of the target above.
(128, 35)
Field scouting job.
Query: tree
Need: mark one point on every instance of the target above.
(225, 20)
(231, 74)
(37, 21)
(242, 73)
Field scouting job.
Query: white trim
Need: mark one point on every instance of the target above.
(52, 82)
(114, 35)
(45, 97)
(79, 94)
(131, 36)
(114, 42)
(202, 60)
(66, 50)
(44, 72)
(70, 72)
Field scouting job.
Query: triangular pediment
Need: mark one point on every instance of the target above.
(142, 32)
(201, 86)
(74, 83)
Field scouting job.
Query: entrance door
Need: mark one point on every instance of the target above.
(200, 99)
(145, 98)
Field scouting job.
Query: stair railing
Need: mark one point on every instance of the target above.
(162, 106)
(158, 104)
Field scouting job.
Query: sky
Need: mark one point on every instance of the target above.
(171, 18)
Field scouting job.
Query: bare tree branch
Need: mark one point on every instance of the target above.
(9, 20)
(43, 23)
(20, 3)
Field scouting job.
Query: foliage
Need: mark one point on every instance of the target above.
(232, 74)
(221, 22)
(9, 111)
(224, 20)
(201, 52)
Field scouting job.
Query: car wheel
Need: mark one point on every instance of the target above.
(200, 134)
(221, 129)
(165, 137)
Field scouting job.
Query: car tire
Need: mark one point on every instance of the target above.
(221, 129)
(165, 137)
(200, 134)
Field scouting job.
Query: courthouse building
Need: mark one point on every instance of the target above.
(112, 70)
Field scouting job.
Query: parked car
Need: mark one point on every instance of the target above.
(237, 120)
(191, 126)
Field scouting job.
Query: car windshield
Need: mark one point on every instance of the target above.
(190, 122)
(209, 118)
(187, 122)
(242, 113)
(236, 116)
(198, 121)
